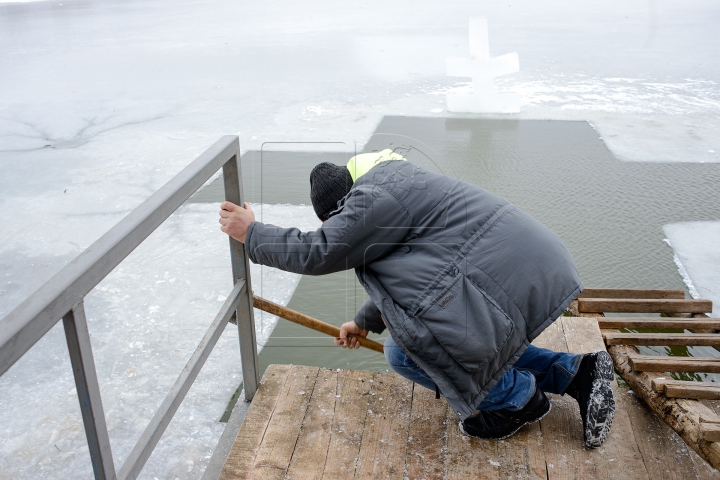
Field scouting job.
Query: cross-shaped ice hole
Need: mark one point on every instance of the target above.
(483, 70)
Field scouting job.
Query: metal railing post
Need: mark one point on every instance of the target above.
(232, 176)
(88, 390)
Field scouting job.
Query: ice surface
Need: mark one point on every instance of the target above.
(697, 255)
(145, 320)
(102, 102)
(483, 71)
(171, 76)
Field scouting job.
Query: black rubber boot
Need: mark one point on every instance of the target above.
(593, 392)
(499, 424)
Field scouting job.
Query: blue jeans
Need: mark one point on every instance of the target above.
(549, 371)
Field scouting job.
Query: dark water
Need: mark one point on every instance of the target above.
(609, 213)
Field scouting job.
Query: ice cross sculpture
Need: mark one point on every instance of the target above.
(483, 71)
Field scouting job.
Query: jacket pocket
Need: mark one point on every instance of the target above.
(467, 323)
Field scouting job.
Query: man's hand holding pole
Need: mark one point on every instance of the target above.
(352, 328)
(235, 220)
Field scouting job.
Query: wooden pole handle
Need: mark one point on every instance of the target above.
(313, 323)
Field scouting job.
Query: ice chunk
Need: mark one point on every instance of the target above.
(483, 69)
(697, 256)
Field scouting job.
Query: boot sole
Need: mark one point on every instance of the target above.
(529, 422)
(601, 405)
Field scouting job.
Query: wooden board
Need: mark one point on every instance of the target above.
(565, 454)
(428, 432)
(681, 414)
(701, 465)
(597, 305)
(704, 470)
(469, 457)
(385, 438)
(583, 336)
(710, 432)
(317, 423)
(308, 459)
(351, 401)
(523, 456)
(241, 459)
(682, 389)
(631, 293)
(686, 339)
(657, 322)
(647, 363)
(278, 443)
(664, 453)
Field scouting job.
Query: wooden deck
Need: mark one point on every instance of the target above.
(307, 422)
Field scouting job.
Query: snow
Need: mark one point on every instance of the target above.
(146, 319)
(697, 256)
(102, 102)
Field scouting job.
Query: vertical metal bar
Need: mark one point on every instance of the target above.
(232, 176)
(88, 390)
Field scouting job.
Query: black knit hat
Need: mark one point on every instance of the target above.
(328, 184)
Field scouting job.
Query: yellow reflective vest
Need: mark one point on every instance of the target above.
(359, 165)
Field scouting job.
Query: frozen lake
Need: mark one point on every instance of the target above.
(102, 102)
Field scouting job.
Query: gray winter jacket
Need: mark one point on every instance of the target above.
(463, 279)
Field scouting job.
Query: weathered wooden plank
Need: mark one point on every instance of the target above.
(523, 454)
(595, 305)
(382, 452)
(565, 454)
(551, 449)
(664, 453)
(562, 428)
(469, 457)
(351, 405)
(699, 392)
(552, 338)
(710, 432)
(647, 363)
(681, 414)
(308, 459)
(427, 437)
(278, 444)
(651, 435)
(240, 460)
(658, 384)
(631, 293)
(658, 322)
(704, 470)
(685, 339)
(582, 336)
(683, 389)
(701, 317)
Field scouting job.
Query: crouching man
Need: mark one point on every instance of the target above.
(462, 279)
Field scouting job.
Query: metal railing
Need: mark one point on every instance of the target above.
(63, 295)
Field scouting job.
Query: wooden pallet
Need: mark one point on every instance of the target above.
(312, 423)
(690, 408)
